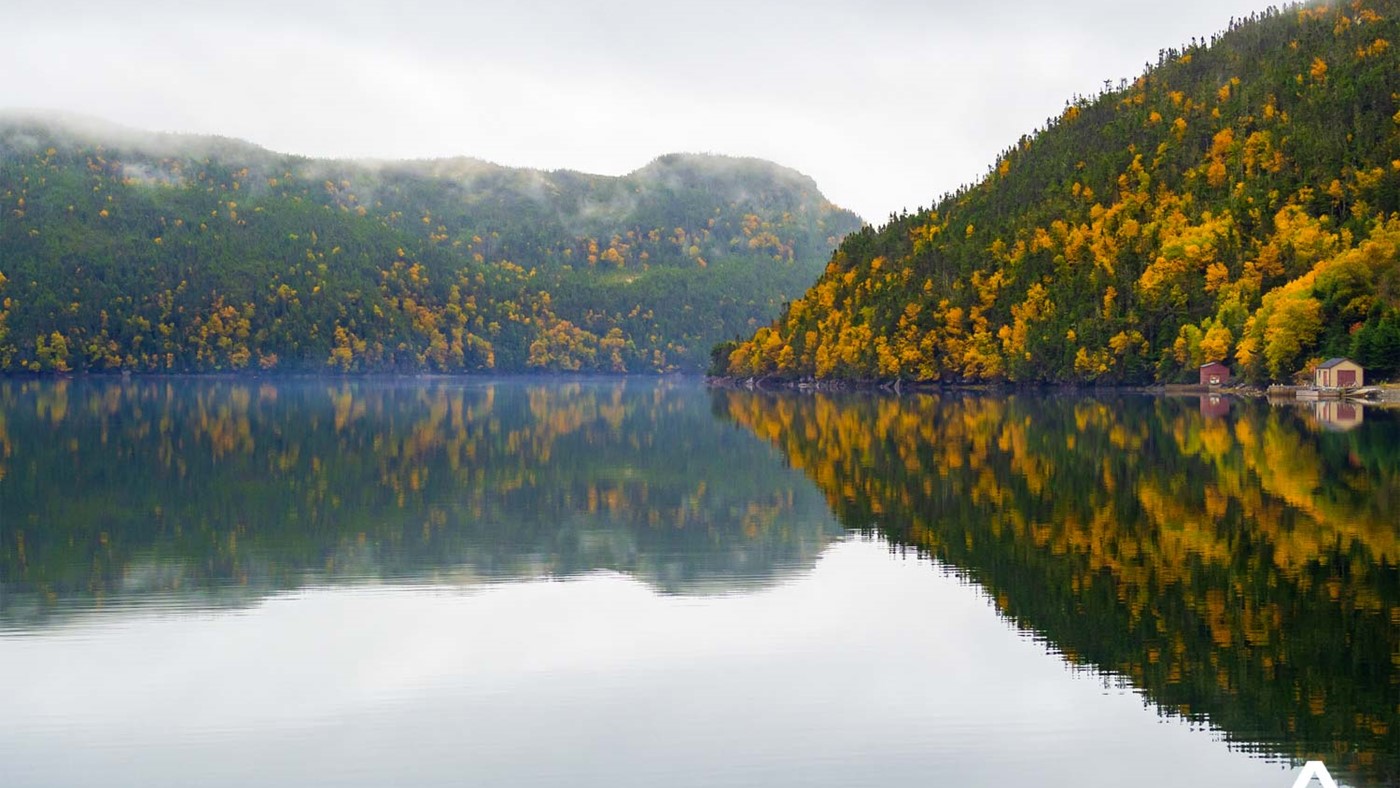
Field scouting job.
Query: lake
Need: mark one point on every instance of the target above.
(308, 582)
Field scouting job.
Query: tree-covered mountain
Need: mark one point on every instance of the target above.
(128, 250)
(1236, 202)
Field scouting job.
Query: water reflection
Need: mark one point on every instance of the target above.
(1339, 415)
(870, 670)
(1235, 562)
(199, 493)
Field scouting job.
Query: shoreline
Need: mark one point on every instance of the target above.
(899, 387)
(1388, 395)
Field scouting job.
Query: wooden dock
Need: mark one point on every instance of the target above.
(1337, 392)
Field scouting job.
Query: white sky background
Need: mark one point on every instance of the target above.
(886, 103)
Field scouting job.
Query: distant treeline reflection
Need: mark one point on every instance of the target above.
(116, 491)
(1236, 564)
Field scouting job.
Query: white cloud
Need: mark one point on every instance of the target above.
(887, 104)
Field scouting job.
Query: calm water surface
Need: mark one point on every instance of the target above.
(438, 582)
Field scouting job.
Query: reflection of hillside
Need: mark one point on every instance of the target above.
(1241, 569)
(115, 491)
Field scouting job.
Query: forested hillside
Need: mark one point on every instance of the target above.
(1236, 202)
(122, 250)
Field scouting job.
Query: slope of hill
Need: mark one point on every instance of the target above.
(1237, 202)
(122, 249)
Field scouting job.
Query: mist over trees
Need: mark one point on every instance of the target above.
(126, 250)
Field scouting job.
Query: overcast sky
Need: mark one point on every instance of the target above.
(886, 103)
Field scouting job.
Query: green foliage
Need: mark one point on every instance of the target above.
(1376, 345)
(1236, 202)
(144, 252)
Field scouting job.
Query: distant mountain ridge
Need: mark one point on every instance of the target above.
(1237, 202)
(144, 251)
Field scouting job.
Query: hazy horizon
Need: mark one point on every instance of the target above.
(885, 105)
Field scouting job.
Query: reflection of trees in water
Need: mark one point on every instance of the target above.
(122, 488)
(1241, 569)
